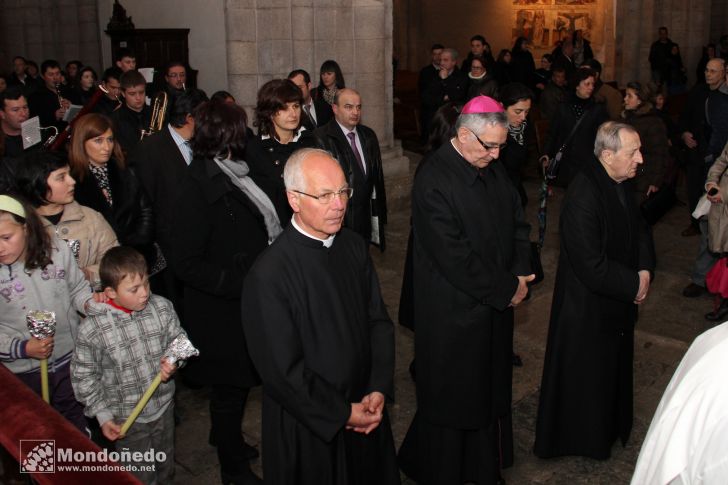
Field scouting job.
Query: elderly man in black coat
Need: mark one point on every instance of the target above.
(320, 336)
(356, 147)
(604, 270)
(471, 267)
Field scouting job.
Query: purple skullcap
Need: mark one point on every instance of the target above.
(482, 104)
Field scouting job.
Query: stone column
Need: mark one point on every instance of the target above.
(266, 39)
(57, 29)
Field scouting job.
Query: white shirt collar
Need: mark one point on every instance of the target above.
(345, 129)
(328, 242)
(295, 137)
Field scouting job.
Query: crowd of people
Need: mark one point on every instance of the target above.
(150, 224)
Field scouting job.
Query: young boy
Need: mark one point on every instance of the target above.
(117, 356)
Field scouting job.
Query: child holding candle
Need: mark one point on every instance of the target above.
(119, 353)
(38, 273)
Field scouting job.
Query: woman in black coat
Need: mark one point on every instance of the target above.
(278, 118)
(578, 105)
(516, 99)
(225, 221)
(523, 67)
(105, 184)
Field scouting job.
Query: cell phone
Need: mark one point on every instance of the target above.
(713, 191)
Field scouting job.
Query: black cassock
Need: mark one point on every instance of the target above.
(320, 336)
(470, 243)
(586, 391)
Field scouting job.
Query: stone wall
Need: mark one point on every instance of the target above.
(49, 29)
(267, 39)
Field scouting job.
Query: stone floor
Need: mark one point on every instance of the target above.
(668, 323)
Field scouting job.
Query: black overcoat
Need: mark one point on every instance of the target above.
(470, 242)
(361, 207)
(131, 216)
(581, 145)
(586, 391)
(220, 233)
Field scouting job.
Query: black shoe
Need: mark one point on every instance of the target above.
(693, 290)
(249, 452)
(246, 477)
(719, 313)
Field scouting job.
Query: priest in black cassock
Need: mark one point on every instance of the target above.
(319, 335)
(471, 266)
(605, 265)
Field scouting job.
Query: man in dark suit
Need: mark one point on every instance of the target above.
(161, 161)
(427, 75)
(449, 85)
(134, 116)
(111, 86)
(356, 147)
(21, 78)
(314, 112)
(50, 101)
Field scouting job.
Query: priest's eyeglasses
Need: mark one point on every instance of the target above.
(328, 197)
(486, 147)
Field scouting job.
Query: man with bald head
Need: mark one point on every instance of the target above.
(321, 339)
(356, 147)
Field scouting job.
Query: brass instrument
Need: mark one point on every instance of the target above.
(159, 110)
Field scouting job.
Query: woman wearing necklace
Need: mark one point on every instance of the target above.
(330, 80)
(278, 117)
(480, 80)
(105, 184)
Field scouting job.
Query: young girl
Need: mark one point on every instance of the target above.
(38, 272)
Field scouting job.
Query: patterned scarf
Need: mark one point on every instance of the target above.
(101, 174)
(329, 94)
(516, 132)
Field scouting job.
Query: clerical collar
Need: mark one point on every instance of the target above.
(328, 242)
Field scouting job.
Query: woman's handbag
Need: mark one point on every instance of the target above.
(552, 169)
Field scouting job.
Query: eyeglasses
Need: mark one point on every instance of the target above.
(328, 197)
(486, 147)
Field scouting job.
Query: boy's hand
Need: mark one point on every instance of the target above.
(111, 430)
(167, 369)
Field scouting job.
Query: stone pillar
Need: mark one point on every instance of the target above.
(51, 29)
(266, 39)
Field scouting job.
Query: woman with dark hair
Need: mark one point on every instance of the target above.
(72, 71)
(502, 67)
(573, 128)
(222, 97)
(480, 80)
(86, 86)
(330, 80)
(543, 73)
(225, 220)
(280, 133)
(522, 67)
(105, 184)
(516, 99)
(640, 113)
(43, 178)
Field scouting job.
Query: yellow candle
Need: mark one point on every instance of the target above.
(142, 402)
(44, 380)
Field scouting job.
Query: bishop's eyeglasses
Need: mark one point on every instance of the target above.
(328, 197)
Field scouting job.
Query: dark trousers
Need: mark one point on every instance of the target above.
(157, 435)
(227, 407)
(61, 392)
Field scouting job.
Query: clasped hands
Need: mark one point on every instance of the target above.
(366, 415)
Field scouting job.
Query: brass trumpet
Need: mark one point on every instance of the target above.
(159, 109)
